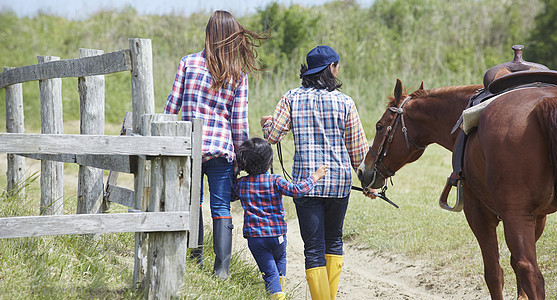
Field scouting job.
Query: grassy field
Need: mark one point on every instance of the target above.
(77, 267)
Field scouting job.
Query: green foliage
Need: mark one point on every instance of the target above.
(414, 40)
(543, 39)
(292, 34)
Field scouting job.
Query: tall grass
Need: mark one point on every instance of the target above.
(100, 267)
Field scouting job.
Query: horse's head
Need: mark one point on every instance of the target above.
(394, 145)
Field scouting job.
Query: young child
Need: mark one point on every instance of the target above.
(261, 196)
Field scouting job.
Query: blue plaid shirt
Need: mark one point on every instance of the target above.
(327, 131)
(261, 198)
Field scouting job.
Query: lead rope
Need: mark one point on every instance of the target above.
(279, 154)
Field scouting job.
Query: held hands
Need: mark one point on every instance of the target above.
(320, 173)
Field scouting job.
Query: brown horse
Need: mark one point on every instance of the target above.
(510, 167)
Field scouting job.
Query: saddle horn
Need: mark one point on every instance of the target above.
(517, 64)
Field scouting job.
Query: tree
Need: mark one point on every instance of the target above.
(292, 29)
(543, 38)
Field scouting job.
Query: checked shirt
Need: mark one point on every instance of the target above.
(261, 198)
(224, 112)
(327, 131)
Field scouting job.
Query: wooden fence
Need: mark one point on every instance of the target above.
(162, 153)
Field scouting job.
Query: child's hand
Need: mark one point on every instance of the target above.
(320, 173)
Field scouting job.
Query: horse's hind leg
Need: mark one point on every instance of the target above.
(484, 226)
(539, 227)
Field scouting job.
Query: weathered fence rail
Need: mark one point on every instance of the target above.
(108, 63)
(163, 154)
(34, 226)
(28, 143)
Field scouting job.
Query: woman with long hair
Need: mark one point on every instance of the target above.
(212, 85)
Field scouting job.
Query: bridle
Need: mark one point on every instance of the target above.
(388, 139)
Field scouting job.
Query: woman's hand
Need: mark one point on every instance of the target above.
(264, 119)
(371, 193)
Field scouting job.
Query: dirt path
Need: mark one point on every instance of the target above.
(367, 275)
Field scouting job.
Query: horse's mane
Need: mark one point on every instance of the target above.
(437, 92)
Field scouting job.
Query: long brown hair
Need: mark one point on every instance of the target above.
(229, 49)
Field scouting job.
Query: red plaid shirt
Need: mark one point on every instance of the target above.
(224, 112)
(261, 197)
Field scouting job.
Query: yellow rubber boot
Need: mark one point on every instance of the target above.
(318, 283)
(278, 296)
(334, 264)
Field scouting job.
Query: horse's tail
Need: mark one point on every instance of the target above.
(546, 111)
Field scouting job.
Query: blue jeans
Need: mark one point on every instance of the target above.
(321, 221)
(219, 176)
(270, 255)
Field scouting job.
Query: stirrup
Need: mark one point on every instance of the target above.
(453, 181)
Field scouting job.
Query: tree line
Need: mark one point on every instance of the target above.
(435, 41)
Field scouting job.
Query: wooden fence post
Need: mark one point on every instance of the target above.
(142, 189)
(15, 124)
(143, 92)
(170, 191)
(195, 195)
(52, 173)
(143, 102)
(91, 95)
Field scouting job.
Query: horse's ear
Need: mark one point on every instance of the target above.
(421, 86)
(398, 90)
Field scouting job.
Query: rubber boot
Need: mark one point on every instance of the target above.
(222, 246)
(278, 296)
(282, 282)
(318, 283)
(197, 253)
(334, 264)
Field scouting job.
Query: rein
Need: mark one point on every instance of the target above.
(286, 175)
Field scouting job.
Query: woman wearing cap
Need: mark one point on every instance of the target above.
(212, 85)
(327, 131)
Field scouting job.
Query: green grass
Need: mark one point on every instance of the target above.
(100, 267)
(78, 267)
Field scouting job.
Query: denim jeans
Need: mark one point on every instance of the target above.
(321, 221)
(219, 177)
(270, 255)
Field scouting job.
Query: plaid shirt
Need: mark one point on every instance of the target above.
(224, 112)
(327, 131)
(261, 197)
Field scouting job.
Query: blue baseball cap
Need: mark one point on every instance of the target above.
(319, 58)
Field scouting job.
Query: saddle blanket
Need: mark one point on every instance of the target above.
(471, 116)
